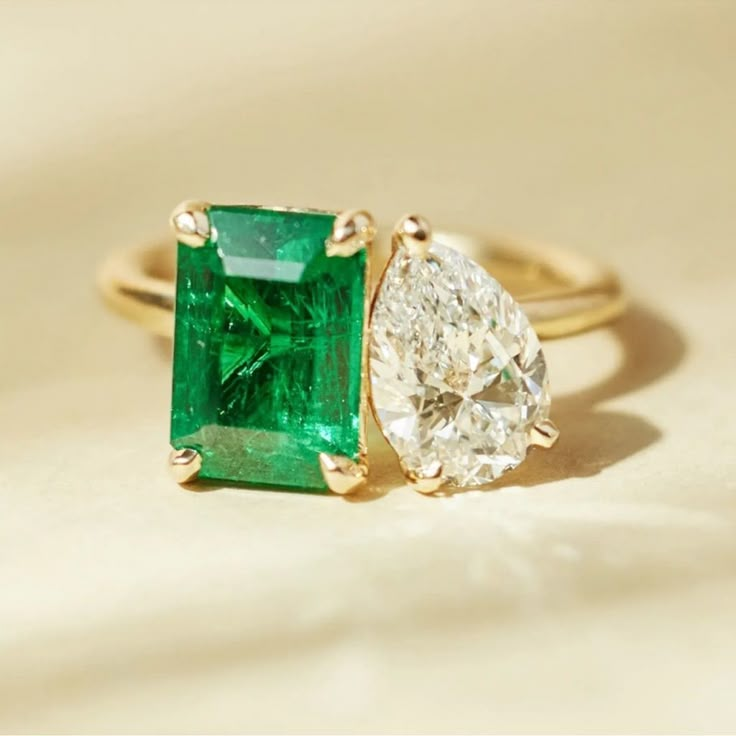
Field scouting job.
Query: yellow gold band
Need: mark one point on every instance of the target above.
(561, 291)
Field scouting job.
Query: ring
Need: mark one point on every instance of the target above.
(281, 349)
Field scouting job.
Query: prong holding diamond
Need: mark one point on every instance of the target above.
(185, 465)
(342, 475)
(544, 434)
(427, 480)
(352, 231)
(191, 223)
(415, 234)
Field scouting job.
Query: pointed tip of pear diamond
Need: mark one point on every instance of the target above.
(458, 376)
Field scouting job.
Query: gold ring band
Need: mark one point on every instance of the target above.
(561, 291)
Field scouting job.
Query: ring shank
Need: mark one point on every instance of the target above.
(561, 291)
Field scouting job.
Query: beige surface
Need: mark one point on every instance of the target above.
(594, 592)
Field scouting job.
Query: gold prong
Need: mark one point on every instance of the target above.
(352, 231)
(427, 480)
(342, 475)
(414, 233)
(544, 434)
(191, 223)
(185, 465)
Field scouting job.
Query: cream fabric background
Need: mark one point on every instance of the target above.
(594, 592)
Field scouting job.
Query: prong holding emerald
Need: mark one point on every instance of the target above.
(352, 231)
(342, 475)
(184, 465)
(268, 347)
(191, 223)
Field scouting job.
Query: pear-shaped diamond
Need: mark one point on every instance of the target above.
(458, 377)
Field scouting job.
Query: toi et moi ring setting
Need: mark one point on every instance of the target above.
(280, 351)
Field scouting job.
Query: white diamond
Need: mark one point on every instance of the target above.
(457, 373)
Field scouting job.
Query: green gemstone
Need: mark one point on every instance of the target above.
(267, 348)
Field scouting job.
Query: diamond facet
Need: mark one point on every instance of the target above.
(268, 348)
(458, 377)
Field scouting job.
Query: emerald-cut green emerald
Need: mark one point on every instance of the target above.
(267, 348)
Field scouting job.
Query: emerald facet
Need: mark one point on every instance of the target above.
(267, 348)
